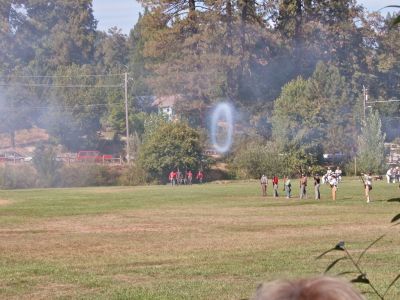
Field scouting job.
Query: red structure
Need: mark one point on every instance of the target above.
(93, 156)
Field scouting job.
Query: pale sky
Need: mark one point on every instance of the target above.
(124, 13)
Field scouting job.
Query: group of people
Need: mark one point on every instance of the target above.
(287, 186)
(177, 177)
(332, 178)
(393, 175)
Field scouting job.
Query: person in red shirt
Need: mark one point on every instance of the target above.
(200, 176)
(275, 185)
(189, 176)
(172, 177)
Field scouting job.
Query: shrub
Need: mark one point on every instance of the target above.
(170, 146)
(18, 177)
(256, 159)
(46, 165)
(133, 175)
(87, 175)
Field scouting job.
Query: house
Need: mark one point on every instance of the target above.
(167, 105)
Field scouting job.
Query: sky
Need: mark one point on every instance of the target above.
(124, 13)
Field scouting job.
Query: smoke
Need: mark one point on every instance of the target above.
(222, 118)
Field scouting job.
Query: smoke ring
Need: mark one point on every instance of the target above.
(223, 111)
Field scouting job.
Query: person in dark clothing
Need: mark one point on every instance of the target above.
(317, 183)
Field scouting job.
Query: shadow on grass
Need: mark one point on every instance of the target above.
(394, 200)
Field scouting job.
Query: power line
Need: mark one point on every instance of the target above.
(60, 85)
(61, 76)
(63, 108)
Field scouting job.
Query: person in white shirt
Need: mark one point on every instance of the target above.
(338, 174)
(368, 186)
(333, 183)
(389, 175)
(264, 183)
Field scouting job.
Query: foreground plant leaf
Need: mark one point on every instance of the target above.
(362, 278)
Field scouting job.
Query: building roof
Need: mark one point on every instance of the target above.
(167, 101)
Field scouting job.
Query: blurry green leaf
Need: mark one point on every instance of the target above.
(395, 22)
(391, 284)
(339, 246)
(366, 249)
(396, 218)
(362, 278)
(332, 264)
(345, 273)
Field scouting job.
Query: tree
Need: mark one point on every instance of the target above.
(371, 150)
(170, 146)
(77, 106)
(256, 158)
(111, 50)
(63, 32)
(15, 111)
(46, 164)
(215, 50)
(316, 113)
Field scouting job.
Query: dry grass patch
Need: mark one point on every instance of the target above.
(195, 247)
(4, 202)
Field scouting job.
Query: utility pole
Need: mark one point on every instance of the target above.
(365, 99)
(127, 118)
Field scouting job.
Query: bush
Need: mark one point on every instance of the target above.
(256, 159)
(81, 175)
(170, 146)
(18, 177)
(46, 165)
(133, 175)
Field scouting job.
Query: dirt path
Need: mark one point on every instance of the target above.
(4, 202)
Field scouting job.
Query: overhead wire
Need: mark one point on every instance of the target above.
(61, 85)
(62, 76)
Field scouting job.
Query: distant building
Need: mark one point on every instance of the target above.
(392, 153)
(167, 105)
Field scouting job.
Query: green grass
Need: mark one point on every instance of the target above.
(212, 241)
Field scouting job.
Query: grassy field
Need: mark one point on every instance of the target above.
(214, 241)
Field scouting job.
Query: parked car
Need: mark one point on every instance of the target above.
(14, 156)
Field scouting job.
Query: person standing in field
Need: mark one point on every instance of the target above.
(264, 184)
(275, 181)
(317, 183)
(303, 186)
(189, 177)
(200, 176)
(338, 174)
(333, 184)
(287, 186)
(178, 176)
(172, 177)
(389, 175)
(368, 186)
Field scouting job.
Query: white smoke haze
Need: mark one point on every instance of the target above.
(222, 124)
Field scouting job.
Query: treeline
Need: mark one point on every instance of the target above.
(295, 70)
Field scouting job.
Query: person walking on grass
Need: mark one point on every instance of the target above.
(275, 181)
(368, 186)
(189, 176)
(317, 183)
(172, 177)
(287, 187)
(389, 175)
(264, 184)
(333, 184)
(303, 186)
(200, 176)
